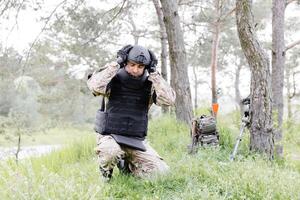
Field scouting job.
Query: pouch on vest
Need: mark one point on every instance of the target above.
(101, 117)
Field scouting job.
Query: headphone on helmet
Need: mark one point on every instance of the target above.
(122, 57)
(153, 62)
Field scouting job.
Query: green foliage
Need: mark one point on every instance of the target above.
(60, 135)
(204, 110)
(72, 173)
(226, 138)
(71, 154)
(9, 62)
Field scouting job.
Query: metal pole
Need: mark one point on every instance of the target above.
(238, 140)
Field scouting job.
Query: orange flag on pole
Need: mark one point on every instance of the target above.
(215, 108)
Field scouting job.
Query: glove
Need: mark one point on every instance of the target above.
(153, 63)
(122, 55)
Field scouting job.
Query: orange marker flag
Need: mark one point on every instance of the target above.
(215, 108)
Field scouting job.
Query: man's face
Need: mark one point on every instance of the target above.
(134, 69)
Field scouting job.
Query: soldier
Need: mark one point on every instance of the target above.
(131, 84)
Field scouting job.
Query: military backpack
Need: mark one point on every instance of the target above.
(204, 132)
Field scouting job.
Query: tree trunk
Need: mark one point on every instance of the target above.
(289, 108)
(289, 94)
(195, 88)
(134, 31)
(163, 43)
(236, 87)
(214, 52)
(278, 60)
(18, 146)
(261, 131)
(179, 70)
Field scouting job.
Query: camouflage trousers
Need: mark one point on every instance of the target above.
(140, 163)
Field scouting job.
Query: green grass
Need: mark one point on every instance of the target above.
(57, 135)
(72, 173)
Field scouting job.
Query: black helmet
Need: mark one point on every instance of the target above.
(140, 55)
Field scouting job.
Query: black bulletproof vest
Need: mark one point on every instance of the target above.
(127, 109)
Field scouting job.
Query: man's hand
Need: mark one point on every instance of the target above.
(100, 79)
(165, 95)
(122, 55)
(154, 76)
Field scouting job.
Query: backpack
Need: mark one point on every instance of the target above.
(204, 132)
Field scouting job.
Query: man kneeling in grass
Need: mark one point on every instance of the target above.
(131, 84)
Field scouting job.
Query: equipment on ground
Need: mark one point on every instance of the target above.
(204, 132)
(245, 124)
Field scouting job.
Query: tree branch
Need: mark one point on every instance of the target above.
(37, 37)
(288, 2)
(192, 3)
(6, 7)
(111, 20)
(292, 45)
(228, 14)
(16, 20)
(192, 25)
(115, 16)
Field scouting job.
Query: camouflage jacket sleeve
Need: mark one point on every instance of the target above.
(165, 95)
(97, 83)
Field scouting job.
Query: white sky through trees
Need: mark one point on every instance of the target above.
(28, 26)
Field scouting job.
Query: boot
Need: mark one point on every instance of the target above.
(106, 174)
(123, 166)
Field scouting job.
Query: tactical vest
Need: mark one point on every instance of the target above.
(127, 109)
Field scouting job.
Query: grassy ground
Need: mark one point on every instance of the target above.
(53, 136)
(72, 173)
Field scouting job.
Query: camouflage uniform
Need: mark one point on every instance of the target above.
(141, 163)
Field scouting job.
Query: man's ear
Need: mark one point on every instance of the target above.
(126, 67)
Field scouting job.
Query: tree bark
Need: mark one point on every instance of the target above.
(291, 90)
(236, 87)
(289, 94)
(261, 132)
(278, 60)
(163, 43)
(196, 83)
(134, 31)
(214, 51)
(18, 146)
(177, 54)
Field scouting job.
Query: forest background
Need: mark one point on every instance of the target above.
(47, 50)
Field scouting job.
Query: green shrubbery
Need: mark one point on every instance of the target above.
(72, 173)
